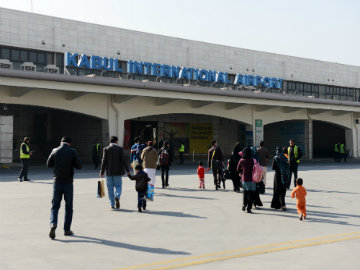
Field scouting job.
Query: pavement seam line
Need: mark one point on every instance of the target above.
(234, 251)
(255, 253)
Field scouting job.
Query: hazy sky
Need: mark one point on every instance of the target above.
(320, 29)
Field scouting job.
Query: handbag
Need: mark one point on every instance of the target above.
(261, 187)
(100, 189)
(215, 163)
(257, 172)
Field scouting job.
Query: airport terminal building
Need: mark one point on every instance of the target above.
(63, 77)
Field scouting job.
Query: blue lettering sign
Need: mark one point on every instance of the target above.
(155, 69)
(71, 59)
(83, 62)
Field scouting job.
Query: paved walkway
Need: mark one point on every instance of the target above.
(184, 227)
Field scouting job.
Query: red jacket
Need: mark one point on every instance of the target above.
(201, 172)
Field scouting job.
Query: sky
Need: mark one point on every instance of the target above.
(327, 30)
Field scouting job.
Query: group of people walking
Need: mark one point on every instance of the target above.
(339, 152)
(241, 171)
(145, 159)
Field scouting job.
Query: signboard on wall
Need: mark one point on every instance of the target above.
(200, 137)
(259, 132)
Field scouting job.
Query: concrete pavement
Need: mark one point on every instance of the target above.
(187, 227)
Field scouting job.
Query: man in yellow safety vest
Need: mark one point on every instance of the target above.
(181, 153)
(294, 156)
(96, 153)
(25, 154)
(337, 152)
(342, 152)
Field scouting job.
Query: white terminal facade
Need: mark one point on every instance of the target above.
(63, 77)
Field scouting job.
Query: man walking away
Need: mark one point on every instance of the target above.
(25, 155)
(63, 159)
(263, 155)
(114, 163)
(342, 153)
(295, 154)
(215, 162)
(135, 154)
(96, 153)
(165, 162)
(181, 153)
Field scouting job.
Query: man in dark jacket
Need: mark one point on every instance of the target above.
(114, 163)
(216, 162)
(63, 159)
(165, 163)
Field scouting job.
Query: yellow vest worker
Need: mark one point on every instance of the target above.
(342, 148)
(181, 153)
(24, 157)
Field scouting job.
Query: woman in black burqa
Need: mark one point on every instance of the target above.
(281, 179)
(233, 162)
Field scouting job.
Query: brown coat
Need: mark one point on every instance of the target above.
(149, 156)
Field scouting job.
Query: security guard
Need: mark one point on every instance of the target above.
(294, 156)
(181, 153)
(96, 153)
(337, 152)
(25, 154)
(342, 152)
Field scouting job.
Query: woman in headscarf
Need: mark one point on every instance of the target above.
(233, 162)
(245, 169)
(281, 179)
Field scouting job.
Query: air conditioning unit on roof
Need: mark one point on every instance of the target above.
(52, 69)
(5, 64)
(28, 66)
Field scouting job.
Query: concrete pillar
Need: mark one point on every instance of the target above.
(349, 142)
(249, 135)
(310, 138)
(6, 138)
(121, 128)
(116, 121)
(352, 138)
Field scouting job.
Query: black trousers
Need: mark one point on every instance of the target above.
(217, 177)
(24, 168)
(165, 175)
(342, 156)
(294, 170)
(181, 156)
(236, 183)
(96, 161)
(256, 198)
(248, 199)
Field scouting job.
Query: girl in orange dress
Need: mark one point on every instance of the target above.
(300, 193)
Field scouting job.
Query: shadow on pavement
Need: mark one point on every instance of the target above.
(172, 214)
(93, 240)
(312, 216)
(184, 197)
(331, 191)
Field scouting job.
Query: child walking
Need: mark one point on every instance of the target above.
(201, 174)
(141, 179)
(300, 193)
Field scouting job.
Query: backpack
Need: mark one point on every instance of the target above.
(138, 152)
(164, 157)
(257, 172)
